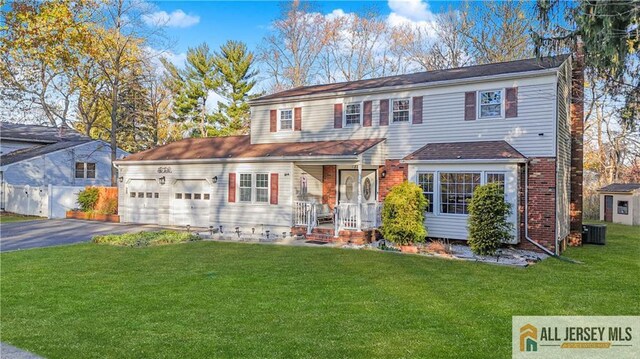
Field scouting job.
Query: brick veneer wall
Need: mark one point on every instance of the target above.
(577, 133)
(542, 204)
(329, 185)
(396, 173)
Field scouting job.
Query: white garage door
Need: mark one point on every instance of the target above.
(191, 203)
(142, 201)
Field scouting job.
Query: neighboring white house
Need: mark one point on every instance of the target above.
(39, 156)
(620, 203)
(337, 149)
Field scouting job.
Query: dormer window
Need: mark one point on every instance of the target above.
(286, 119)
(353, 114)
(490, 104)
(401, 109)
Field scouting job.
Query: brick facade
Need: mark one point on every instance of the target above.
(396, 173)
(577, 134)
(542, 204)
(329, 185)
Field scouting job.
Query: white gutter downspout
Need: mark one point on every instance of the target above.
(526, 215)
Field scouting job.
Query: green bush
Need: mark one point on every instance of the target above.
(88, 198)
(488, 226)
(144, 239)
(403, 214)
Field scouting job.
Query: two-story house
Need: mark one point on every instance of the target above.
(322, 158)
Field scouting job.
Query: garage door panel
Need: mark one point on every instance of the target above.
(143, 201)
(191, 203)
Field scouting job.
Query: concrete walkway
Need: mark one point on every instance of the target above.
(55, 232)
(10, 352)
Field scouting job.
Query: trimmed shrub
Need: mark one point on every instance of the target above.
(107, 200)
(87, 198)
(403, 214)
(144, 239)
(488, 226)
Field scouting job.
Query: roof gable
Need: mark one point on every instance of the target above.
(36, 133)
(35, 151)
(620, 187)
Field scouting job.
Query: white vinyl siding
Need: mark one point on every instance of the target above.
(532, 132)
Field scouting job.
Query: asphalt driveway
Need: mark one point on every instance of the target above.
(55, 232)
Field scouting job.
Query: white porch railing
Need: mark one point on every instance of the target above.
(305, 214)
(348, 213)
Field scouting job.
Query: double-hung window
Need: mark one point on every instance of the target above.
(245, 187)
(496, 177)
(456, 190)
(352, 114)
(490, 104)
(400, 110)
(254, 187)
(286, 119)
(425, 181)
(86, 170)
(262, 187)
(623, 207)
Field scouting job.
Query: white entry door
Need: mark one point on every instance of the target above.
(348, 192)
(191, 203)
(142, 201)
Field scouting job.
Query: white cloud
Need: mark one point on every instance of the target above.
(177, 18)
(413, 10)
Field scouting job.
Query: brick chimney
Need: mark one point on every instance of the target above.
(577, 134)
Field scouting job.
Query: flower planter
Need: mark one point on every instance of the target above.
(409, 249)
(93, 216)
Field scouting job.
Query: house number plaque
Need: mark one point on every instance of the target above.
(164, 169)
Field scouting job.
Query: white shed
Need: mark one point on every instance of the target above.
(620, 203)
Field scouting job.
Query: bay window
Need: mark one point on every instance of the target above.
(496, 177)
(456, 190)
(425, 181)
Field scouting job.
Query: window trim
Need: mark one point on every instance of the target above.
(410, 120)
(85, 171)
(344, 114)
(618, 208)
(479, 109)
(433, 192)
(254, 187)
(280, 110)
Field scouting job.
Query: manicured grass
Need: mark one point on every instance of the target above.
(12, 217)
(211, 299)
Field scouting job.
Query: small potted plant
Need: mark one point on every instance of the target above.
(403, 216)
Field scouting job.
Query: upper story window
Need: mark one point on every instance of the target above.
(85, 170)
(352, 114)
(286, 119)
(425, 181)
(400, 110)
(490, 104)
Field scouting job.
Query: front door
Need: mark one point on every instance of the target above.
(608, 208)
(348, 192)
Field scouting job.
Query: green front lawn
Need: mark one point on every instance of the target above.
(212, 299)
(12, 217)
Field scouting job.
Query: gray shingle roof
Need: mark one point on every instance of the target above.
(27, 153)
(36, 133)
(477, 150)
(426, 77)
(620, 187)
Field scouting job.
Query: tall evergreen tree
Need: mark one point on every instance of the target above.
(235, 80)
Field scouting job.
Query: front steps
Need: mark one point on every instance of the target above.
(325, 234)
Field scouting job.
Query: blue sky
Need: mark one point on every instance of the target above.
(189, 23)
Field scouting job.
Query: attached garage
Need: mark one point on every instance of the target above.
(143, 200)
(191, 203)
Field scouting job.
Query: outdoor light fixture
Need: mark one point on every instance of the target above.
(214, 179)
(383, 174)
(162, 180)
(121, 179)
